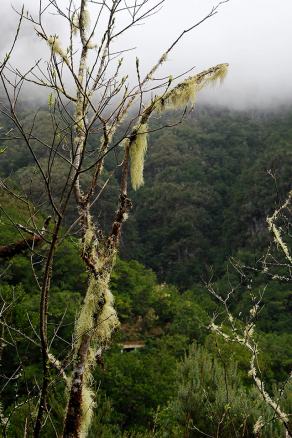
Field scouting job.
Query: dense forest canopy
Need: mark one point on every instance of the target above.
(211, 182)
(200, 175)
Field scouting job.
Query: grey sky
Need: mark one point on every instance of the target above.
(253, 36)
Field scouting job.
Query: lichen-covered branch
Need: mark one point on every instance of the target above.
(94, 326)
(246, 338)
(175, 98)
(272, 223)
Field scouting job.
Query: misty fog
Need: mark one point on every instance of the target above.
(251, 35)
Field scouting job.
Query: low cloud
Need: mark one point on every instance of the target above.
(251, 35)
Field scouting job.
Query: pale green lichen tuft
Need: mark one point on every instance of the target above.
(82, 22)
(186, 92)
(219, 74)
(88, 395)
(108, 320)
(258, 425)
(88, 239)
(91, 45)
(85, 19)
(97, 317)
(181, 95)
(51, 100)
(87, 407)
(56, 48)
(138, 148)
(107, 317)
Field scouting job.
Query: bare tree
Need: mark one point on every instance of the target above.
(88, 96)
(244, 332)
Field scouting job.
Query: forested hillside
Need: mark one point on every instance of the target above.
(210, 183)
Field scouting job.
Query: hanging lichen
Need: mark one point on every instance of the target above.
(85, 22)
(82, 22)
(54, 43)
(85, 19)
(88, 239)
(88, 405)
(138, 147)
(98, 316)
(88, 397)
(219, 73)
(186, 92)
(180, 96)
(91, 45)
(97, 319)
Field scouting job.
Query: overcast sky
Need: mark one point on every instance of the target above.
(253, 36)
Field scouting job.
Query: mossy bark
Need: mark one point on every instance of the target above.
(74, 410)
(93, 330)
